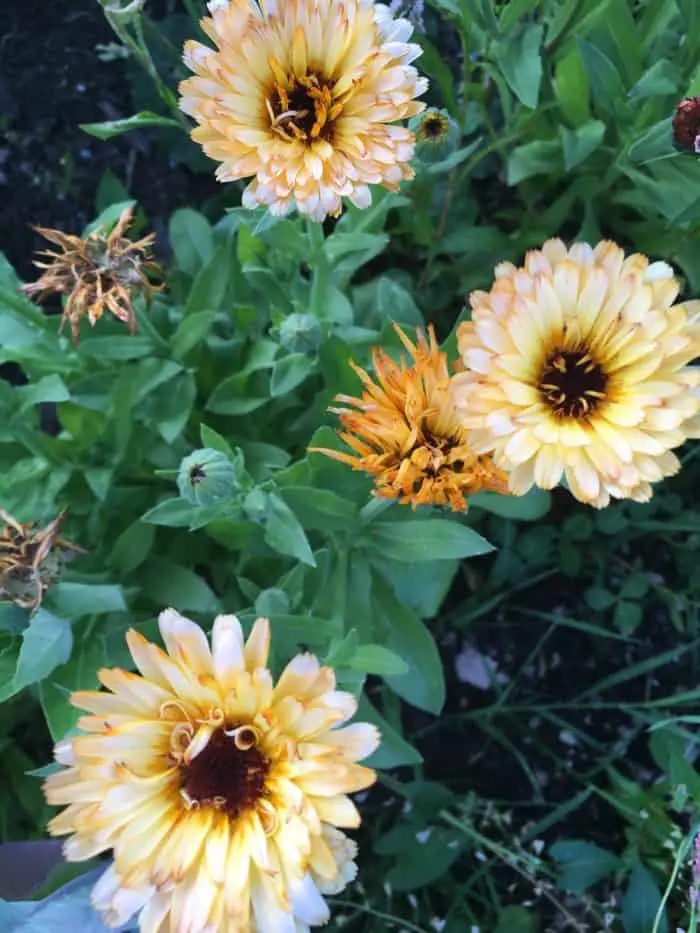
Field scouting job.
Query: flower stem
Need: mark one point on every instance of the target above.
(136, 44)
(318, 260)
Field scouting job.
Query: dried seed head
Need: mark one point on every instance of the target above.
(31, 560)
(97, 273)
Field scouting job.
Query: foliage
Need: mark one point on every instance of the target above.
(533, 800)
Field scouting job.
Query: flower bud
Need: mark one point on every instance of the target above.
(437, 135)
(255, 506)
(300, 333)
(207, 477)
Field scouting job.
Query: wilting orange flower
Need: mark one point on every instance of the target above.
(218, 790)
(301, 94)
(406, 434)
(31, 559)
(577, 365)
(97, 273)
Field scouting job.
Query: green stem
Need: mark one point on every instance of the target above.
(139, 49)
(318, 260)
(680, 861)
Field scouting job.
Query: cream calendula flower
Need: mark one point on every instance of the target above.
(302, 95)
(218, 790)
(577, 366)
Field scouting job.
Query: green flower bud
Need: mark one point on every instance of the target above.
(300, 333)
(207, 477)
(437, 135)
(255, 506)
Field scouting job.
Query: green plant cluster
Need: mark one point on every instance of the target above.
(512, 798)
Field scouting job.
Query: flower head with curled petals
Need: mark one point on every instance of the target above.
(577, 365)
(302, 95)
(404, 431)
(218, 791)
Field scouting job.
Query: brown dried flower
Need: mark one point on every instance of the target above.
(97, 273)
(686, 125)
(31, 559)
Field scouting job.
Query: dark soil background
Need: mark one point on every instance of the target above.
(51, 80)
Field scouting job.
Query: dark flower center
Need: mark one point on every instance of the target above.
(228, 774)
(303, 109)
(434, 127)
(572, 383)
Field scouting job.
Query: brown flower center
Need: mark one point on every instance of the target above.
(572, 383)
(228, 774)
(434, 127)
(303, 108)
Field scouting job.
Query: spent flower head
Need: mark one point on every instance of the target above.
(404, 431)
(96, 273)
(31, 559)
(302, 95)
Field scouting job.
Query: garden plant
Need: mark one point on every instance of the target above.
(349, 515)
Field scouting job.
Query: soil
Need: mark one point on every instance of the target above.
(51, 80)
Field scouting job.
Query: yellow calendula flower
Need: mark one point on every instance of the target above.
(577, 365)
(404, 431)
(96, 273)
(219, 791)
(302, 95)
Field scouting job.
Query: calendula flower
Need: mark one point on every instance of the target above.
(404, 431)
(302, 95)
(218, 790)
(577, 366)
(31, 559)
(97, 273)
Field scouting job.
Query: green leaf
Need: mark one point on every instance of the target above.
(192, 240)
(116, 348)
(289, 372)
(430, 539)
(628, 616)
(604, 78)
(394, 751)
(654, 143)
(420, 586)
(376, 659)
(320, 509)
(48, 389)
(46, 644)
(658, 81)
(424, 684)
(578, 144)
(81, 599)
(582, 864)
(211, 438)
(454, 159)
(132, 547)
(170, 584)
(540, 157)
(108, 218)
(111, 128)
(79, 673)
(173, 513)
(284, 533)
(641, 903)
(572, 88)
(520, 61)
(528, 508)
(191, 331)
(212, 281)
(516, 920)
(394, 303)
